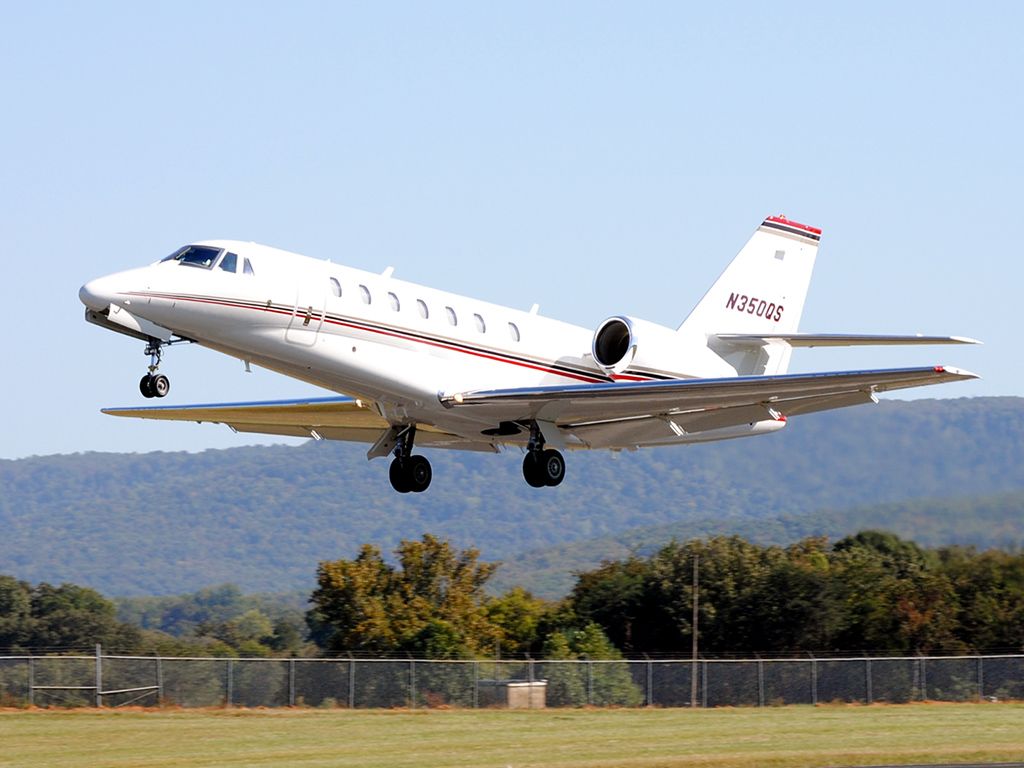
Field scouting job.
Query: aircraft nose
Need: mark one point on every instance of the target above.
(97, 294)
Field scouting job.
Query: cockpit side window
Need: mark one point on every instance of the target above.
(229, 263)
(195, 256)
(247, 269)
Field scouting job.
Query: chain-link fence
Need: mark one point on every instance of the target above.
(112, 681)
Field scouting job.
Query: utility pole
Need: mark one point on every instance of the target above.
(693, 624)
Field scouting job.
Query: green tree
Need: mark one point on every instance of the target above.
(606, 682)
(622, 597)
(990, 594)
(732, 571)
(893, 598)
(16, 620)
(791, 608)
(73, 617)
(433, 602)
(517, 617)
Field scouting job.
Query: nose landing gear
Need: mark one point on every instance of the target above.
(154, 384)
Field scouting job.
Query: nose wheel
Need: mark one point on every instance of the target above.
(154, 384)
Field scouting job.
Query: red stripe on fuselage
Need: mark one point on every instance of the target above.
(393, 334)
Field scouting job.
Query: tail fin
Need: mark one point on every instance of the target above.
(761, 292)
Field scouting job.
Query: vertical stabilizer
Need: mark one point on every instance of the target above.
(761, 292)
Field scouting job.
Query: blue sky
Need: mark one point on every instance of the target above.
(596, 158)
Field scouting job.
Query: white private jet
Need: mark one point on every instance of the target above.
(446, 371)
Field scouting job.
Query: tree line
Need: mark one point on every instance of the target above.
(872, 592)
(229, 514)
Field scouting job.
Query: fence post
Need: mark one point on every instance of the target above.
(704, 684)
(760, 682)
(99, 675)
(412, 683)
(476, 684)
(650, 681)
(814, 681)
(31, 681)
(229, 684)
(291, 682)
(590, 682)
(868, 693)
(159, 682)
(924, 680)
(351, 681)
(981, 678)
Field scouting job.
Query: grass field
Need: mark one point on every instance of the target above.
(660, 738)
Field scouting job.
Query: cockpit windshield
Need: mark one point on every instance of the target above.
(229, 263)
(195, 256)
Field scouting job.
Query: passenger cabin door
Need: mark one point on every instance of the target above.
(308, 315)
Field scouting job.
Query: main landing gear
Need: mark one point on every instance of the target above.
(154, 384)
(408, 473)
(542, 466)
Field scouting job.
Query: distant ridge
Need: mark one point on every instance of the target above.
(261, 517)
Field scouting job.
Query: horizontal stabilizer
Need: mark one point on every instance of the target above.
(837, 339)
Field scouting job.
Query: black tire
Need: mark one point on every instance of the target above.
(418, 473)
(160, 385)
(533, 470)
(146, 386)
(552, 467)
(399, 478)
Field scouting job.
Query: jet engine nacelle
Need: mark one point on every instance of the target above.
(621, 342)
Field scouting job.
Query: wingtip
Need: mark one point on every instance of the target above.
(954, 372)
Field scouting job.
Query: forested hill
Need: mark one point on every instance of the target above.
(168, 523)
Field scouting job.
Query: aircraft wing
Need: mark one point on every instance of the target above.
(328, 418)
(707, 402)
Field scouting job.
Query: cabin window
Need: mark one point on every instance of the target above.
(480, 324)
(453, 319)
(421, 307)
(513, 331)
(247, 269)
(335, 286)
(395, 303)
(229, 263)
(364, 292)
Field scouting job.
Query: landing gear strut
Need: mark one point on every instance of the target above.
(542, 466)
(408, 473)
(154, 384)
